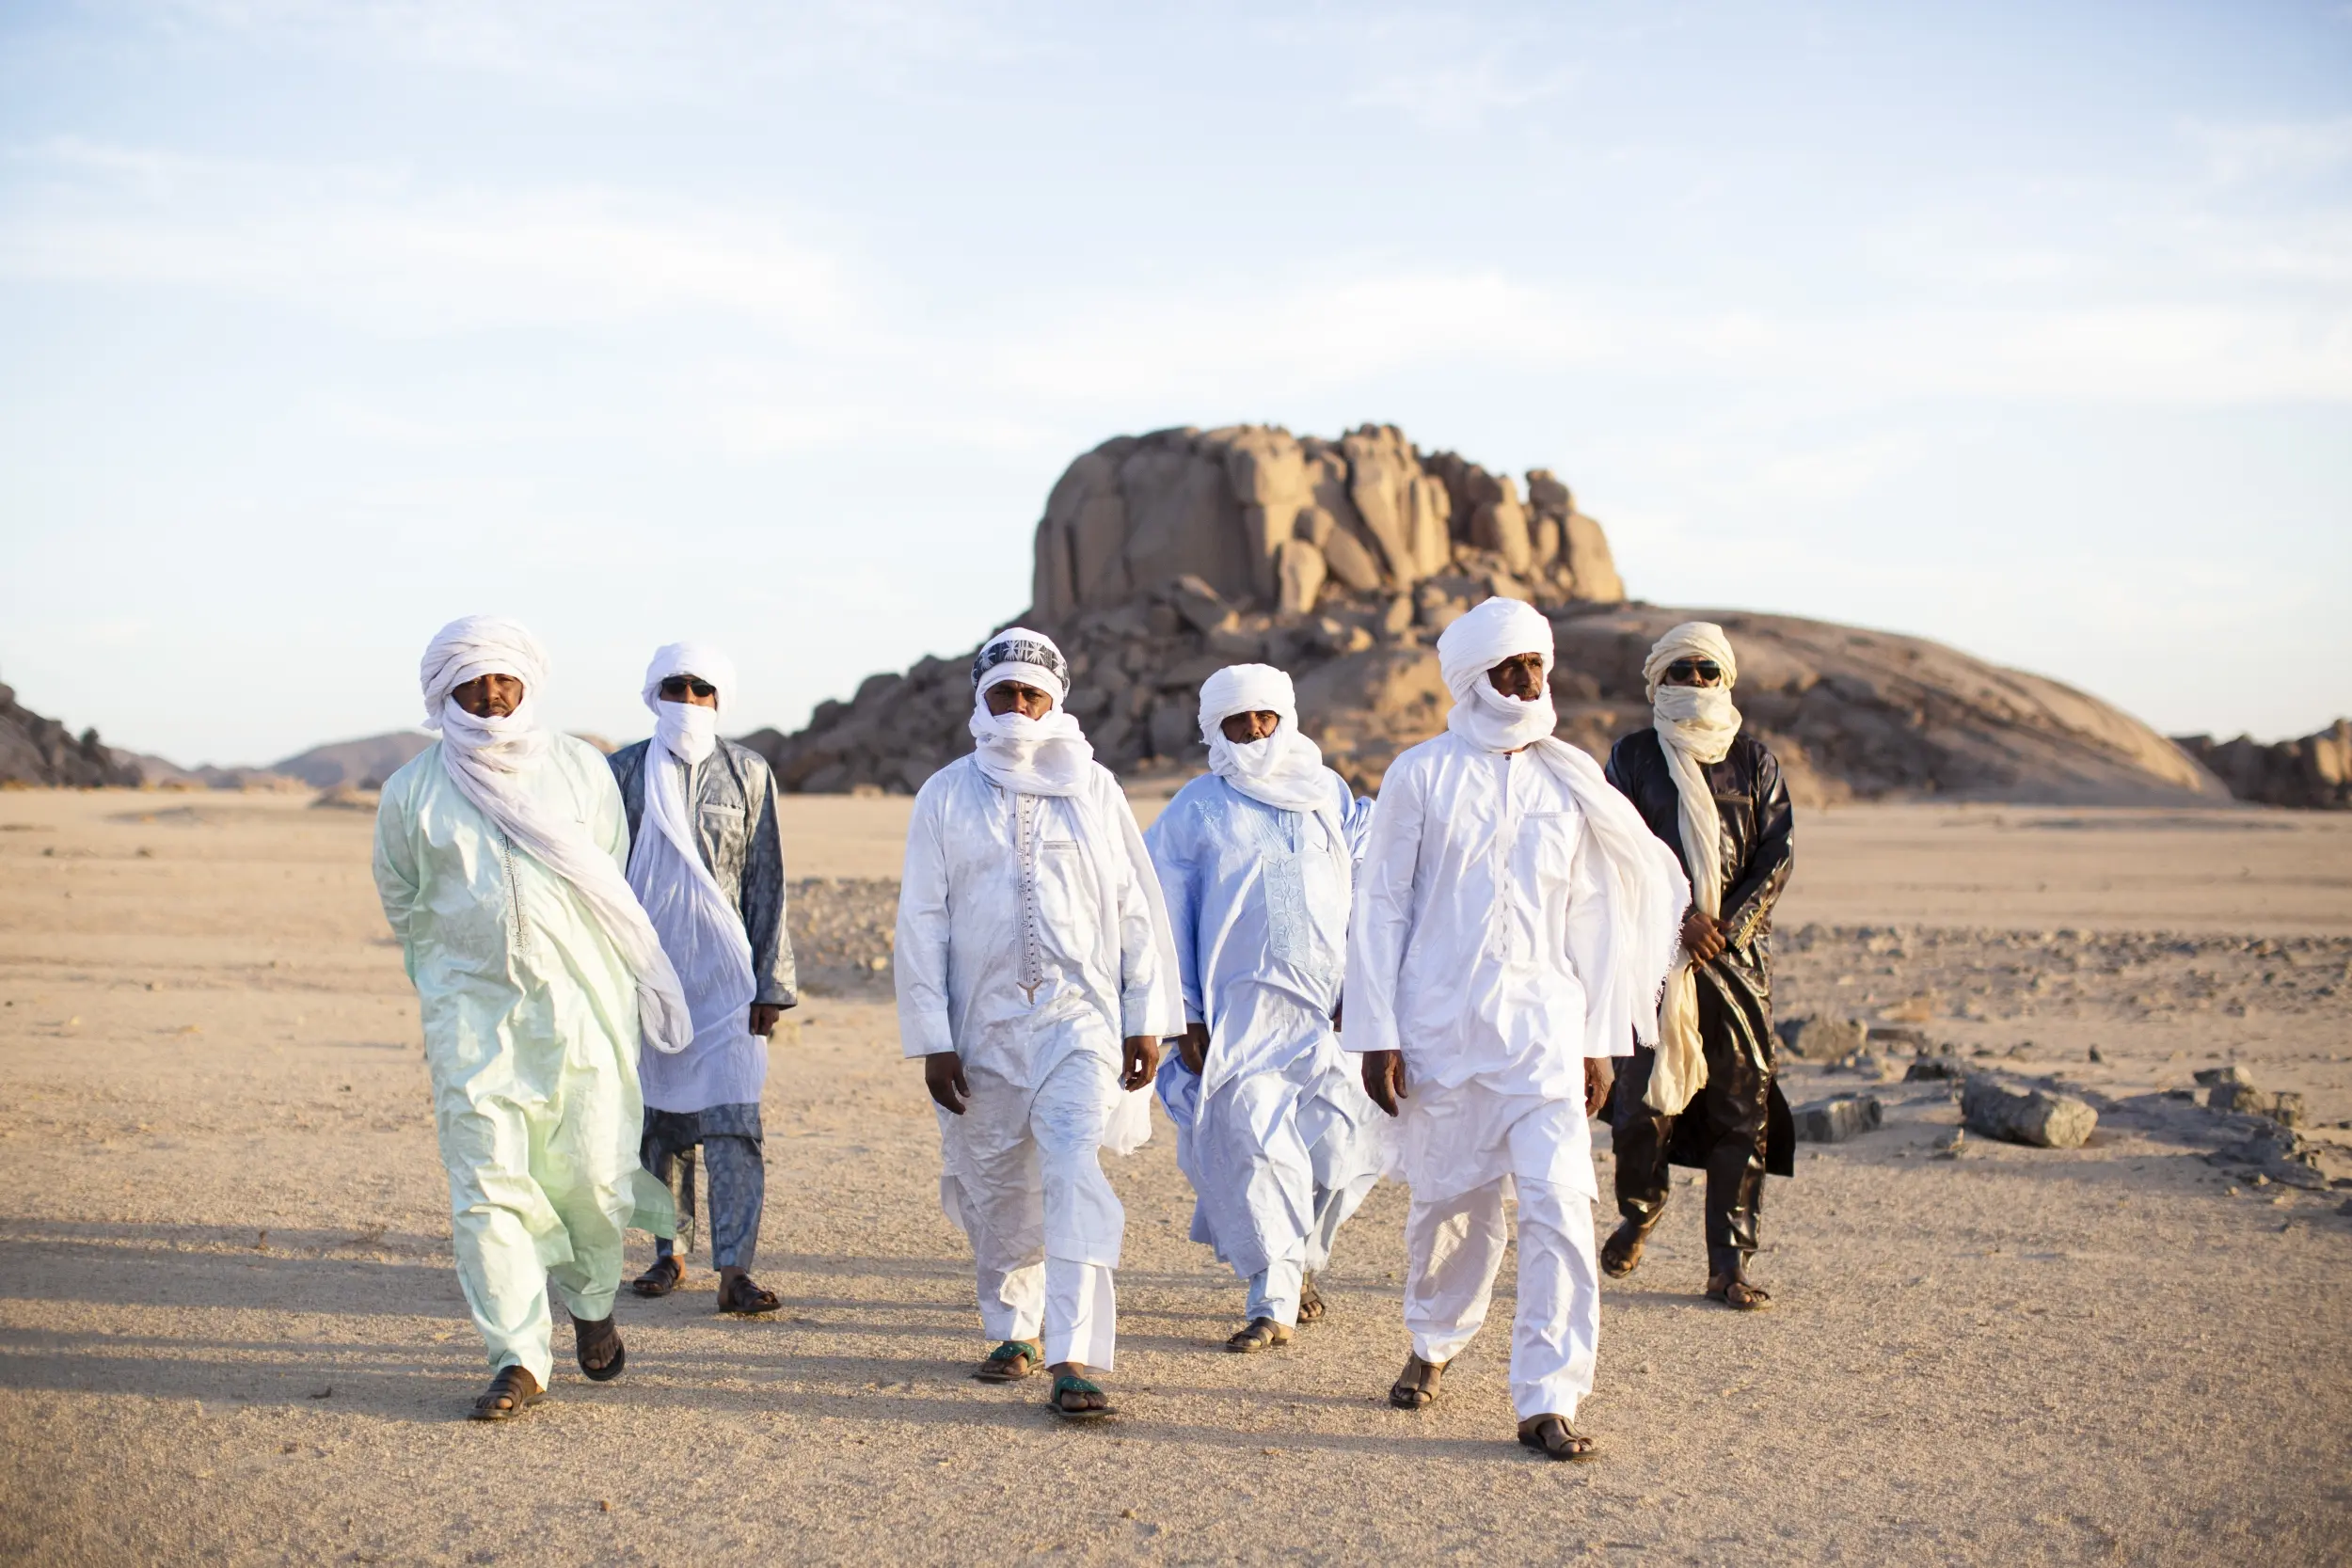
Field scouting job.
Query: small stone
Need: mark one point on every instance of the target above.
(2095, 1054)
(1949, 1144)
(2026, 1115)
(1837, 1118)
(1925, 1068)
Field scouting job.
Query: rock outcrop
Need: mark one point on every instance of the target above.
(1162, 558)
(38, 751)
(2311, 774)
(362, 764)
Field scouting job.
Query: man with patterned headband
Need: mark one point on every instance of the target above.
(1706, 1095)
(706, 860)
(498, 856)
(1257, 858)
(1036, 978)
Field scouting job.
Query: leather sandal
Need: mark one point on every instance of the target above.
(1738, 1293)
(1069, 1383)
(745, 1298)
(667, 1275)
(1556, 1439)
(1260, 1334)
(1621, 1254)
(1416, 1387)
(511, 1393)
(593, 1335)
(1311, 1307)
(1011, 1361)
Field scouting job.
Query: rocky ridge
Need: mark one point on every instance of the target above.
(2313, 774)
(39, 751)
(1162, 558)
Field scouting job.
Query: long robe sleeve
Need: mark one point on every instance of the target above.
(1383, 918)
(919, 953)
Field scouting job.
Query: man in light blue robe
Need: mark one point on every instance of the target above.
(1277, 1137)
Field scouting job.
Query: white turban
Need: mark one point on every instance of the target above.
(1283, 769)
(474, 646)
(486, 759)
(1695, 726)
(1494, 630)
(699, 659)
(1028, 756)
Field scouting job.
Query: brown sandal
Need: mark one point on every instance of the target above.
(1260, 1334)
(744, 1297)
(1738, 1293)
(1621, 1254)
(511, 1393)
(1556, 1439)
(1417, 1384)
(1311, 1307)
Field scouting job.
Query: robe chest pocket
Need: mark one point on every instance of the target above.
(1546, 839)
(722, 820)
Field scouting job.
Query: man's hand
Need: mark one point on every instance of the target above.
(1702, 938)
(1143, 1060)
(1598, 1076)
(943, 1074)
(765, 1016)
(1193, 1049)
(1384, 1078)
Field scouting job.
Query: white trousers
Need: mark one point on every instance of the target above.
(1024, 1177)
(1454, 1248)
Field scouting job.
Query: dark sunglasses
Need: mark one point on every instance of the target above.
(1704, 669)
(679, 686)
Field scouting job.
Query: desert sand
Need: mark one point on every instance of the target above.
(230, 1331)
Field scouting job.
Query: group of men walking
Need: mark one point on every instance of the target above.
(1437, 986)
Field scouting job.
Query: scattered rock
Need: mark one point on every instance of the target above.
(1949, 1144)
(1822, 1039)
(2274, 1153)
(2033, 1116)
(1837, 1118)
(2230, 1088)
(2313, 774)
(1950, 1068)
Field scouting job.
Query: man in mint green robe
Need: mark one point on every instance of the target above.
(486, 863)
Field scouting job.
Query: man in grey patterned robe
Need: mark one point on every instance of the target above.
(706, 860)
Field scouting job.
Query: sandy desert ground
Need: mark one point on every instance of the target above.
(228, 1330)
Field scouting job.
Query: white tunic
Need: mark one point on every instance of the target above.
(1258, 897)
(1011, 951)
(1477, 907)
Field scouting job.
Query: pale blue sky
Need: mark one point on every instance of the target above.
(2028, 327)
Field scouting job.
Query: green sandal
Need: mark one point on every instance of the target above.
(1068, 1384)
(1011, 1361)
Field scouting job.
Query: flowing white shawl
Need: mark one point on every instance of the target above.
(1645, 889)
(485, 758)
(701, 931)
(1285, 769)
(1695, 725)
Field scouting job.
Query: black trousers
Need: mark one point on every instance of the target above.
(1722, 1130)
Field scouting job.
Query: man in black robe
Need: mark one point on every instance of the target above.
(1694, 769)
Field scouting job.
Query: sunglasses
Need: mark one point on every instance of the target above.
(679, 686)
(1700, 669)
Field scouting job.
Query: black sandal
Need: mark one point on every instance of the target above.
(516, 1387)
(1260, 1334)
(1416, 1387)
(1011, 1361)
(592, 1335)
(745, 1298)
(1556, 1439)
(1311, 1307)
(667, 1275)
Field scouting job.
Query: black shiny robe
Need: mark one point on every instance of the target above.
(1758, 852)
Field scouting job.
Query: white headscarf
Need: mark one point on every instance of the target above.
(1029, 756)
(485, 758)
(1285, 769)
(701, 931)
(1695, 725)
(1646, 891)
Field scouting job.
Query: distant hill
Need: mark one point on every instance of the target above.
(362, 764)
(39, 751)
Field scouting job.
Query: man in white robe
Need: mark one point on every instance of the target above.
(1514, 920)
(1034, 978)
(498, 856)
(1257, 860)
